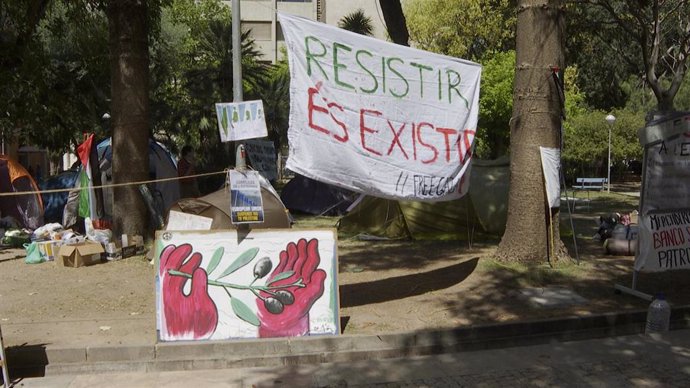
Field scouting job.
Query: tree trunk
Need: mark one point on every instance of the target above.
(129, 63)
(395, 21)
(536, 122)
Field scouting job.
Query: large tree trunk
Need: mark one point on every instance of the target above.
(129, 61)
(395, 21)
(536, 122)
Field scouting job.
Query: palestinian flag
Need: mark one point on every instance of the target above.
(87, 202)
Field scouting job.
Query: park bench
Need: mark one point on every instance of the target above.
(588, 184)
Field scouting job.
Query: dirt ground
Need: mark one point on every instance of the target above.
(385, 286)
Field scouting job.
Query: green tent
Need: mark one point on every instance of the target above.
(483, 210)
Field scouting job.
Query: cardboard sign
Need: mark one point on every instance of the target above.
(185, 221)
(664, 242)
(376, 117)
(246, 203)
(241, 120)
(221, 285)
(667, 174)
(664, 238)
(262, 156)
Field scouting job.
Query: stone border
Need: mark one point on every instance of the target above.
(32, 361)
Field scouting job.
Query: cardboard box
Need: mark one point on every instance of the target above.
(81, 254)
(129, 251)
(49, 250)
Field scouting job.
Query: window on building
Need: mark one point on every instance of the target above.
(260, 30)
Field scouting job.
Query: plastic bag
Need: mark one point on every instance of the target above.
(33, 255)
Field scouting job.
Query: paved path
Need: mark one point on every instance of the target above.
(628, 361)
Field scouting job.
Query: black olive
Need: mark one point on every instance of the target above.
(285, 297)
(262, 267)
(273, 305)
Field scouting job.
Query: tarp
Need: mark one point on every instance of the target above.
(483, 210)
(551, 167)
(378, 118)
(217, 207)
(306, 195)
(161, 165)
(26, 209)
(54, 203)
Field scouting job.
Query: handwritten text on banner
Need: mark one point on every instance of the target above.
(379, 118)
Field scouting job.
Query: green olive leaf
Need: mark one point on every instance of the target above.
(243, 312)
(281, 276)
(240, 262)
(215, 260)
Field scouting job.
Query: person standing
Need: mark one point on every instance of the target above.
(186, 168)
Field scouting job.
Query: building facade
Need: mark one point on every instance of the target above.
(260, 17)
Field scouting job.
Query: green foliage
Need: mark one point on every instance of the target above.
(274, 91)
(612, 40)
(461, 28)
(585, 149)
(605, 57)
(357, 22)
(191, 67)
(495, 105)
(56, 78)
(642, 98)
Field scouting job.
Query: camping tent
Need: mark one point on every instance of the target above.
(161, 165)
(26, 209)
(484, 209)
(54, 203)
(217, 207)
(307, 195)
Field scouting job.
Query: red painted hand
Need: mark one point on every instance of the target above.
(285, 313)
(192, 316)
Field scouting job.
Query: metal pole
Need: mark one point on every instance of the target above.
(608, 179)
(274, 33)
(236, 52)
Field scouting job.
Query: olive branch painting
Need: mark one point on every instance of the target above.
(277, 283)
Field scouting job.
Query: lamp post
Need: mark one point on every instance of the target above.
(609, 119)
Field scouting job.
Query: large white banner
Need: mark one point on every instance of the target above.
(376, 117)
(664, 238)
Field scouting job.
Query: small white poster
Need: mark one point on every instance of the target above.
(186, 221)
(241, 120)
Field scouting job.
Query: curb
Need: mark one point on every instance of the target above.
(33, 361)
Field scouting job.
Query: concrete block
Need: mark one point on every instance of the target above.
(65, 355)
(120, 353)
(95, 368)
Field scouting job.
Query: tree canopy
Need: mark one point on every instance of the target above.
(647, 38)
(467, 29)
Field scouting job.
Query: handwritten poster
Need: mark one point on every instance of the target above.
(664, 242)
(241, 120)
(664, 238)
(246, 204)
(185, 221)
(376, 117)
(667, 174)
(216, 285)
(262, 156)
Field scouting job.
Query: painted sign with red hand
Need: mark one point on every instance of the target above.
(223, 285)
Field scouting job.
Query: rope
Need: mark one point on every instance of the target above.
(137, 183)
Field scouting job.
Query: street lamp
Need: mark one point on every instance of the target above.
(609, 119)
